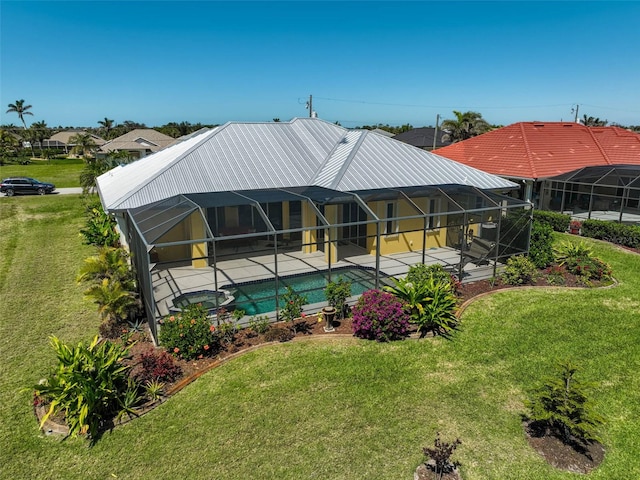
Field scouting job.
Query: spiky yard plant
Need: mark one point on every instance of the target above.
(562, 404)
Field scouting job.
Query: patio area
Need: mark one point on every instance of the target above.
(169, 283)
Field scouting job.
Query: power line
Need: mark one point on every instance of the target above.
(442, 106)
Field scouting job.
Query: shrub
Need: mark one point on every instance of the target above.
(559, 222)
(100, 228)
(90, 385)
(189, 334)
(380, 316)
(154, 365)
(620, 234)
(592, 268)
(561, 403)
(337, 293)
(430, 304)
(540, 247)
(292, 305)
(421, 273)
(570, 251)
(439, 312)
(259, 325)
(555, 275)
(440, 455)
(519, 271)
(292, 308)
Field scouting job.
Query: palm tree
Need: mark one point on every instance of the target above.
(21, 109)
(113, 300)
(107, 125)
(465, 125)
(8, 143)
(93, 168)
(83, 144)
(111, 263)
(40, 132)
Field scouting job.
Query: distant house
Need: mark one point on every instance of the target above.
(138, 143)
(423, 138)
(260, 202)
(541, 154)
(63, 140)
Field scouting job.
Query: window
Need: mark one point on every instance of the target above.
(391, 226)
(434, 207)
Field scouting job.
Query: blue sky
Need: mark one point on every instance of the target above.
(363, 62)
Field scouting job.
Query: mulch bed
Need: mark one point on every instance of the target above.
(572, 458)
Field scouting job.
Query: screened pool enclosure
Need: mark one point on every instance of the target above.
(608, 192)
(224, 241)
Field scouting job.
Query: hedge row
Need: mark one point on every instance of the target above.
(618, 233)
(558, 221)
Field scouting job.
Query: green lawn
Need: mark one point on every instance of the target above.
(62, 173)
(342, 409)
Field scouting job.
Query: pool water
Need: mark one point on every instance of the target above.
(257, 298)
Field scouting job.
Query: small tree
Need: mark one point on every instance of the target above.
(540, 249)
(562, 404)
(440, 455)
(292, 306)
(337, 293)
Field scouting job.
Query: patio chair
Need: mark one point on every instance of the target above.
(479, 252)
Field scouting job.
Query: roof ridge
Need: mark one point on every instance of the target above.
(352, 153)
(326, 160)
(602, 151)
(528, 151)
(150, 179)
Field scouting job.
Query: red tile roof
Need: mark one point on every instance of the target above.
(545, 149)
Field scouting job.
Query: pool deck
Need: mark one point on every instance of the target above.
(171, 282)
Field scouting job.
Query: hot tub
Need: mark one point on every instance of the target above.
(211, 300)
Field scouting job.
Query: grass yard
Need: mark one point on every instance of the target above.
(337, 409)
(62, 173)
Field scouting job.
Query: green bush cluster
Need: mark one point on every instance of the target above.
(189, 334)
(559, 222)
(618, 233)
(90, 386)
(292, 304)
(519, 271)
(540, 247)
(578, 259)
(100, 228)
(337, 293)
(421, 273)
(429, 302)
(561, 404)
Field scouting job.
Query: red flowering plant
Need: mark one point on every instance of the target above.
(380, 316)
(189, 334)
(291, 308)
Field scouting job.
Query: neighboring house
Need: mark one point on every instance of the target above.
(382, 132)
(260, 200)
(138, 143)
(423, 137)
(532, 152)
(63, 140)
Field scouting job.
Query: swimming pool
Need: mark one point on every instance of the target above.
(258, 297)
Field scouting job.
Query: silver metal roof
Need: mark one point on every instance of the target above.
(302, 152)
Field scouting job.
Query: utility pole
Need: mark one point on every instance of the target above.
(310, 106)
(435, 134)
(576, 117)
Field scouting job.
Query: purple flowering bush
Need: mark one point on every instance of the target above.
(380, 316)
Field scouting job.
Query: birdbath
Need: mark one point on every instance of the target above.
(329, 313)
